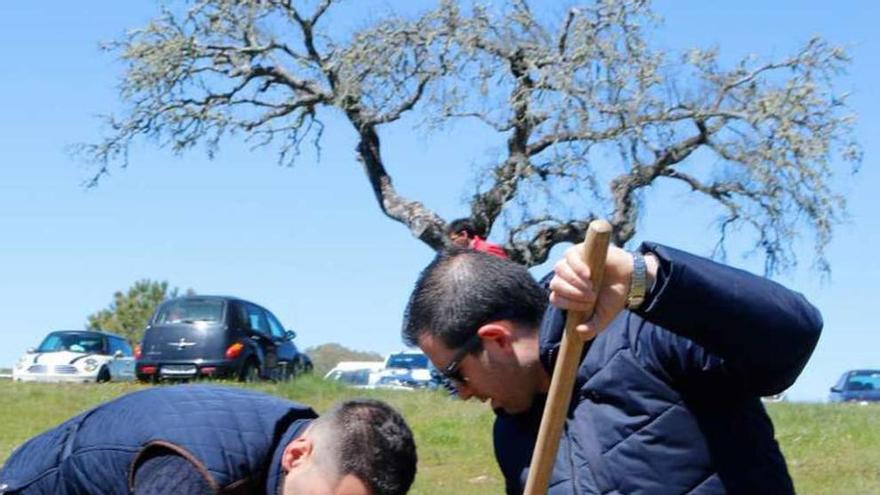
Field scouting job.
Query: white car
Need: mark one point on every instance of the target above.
(396, 380)
(358, 374)
(406, 369)
(77, 356)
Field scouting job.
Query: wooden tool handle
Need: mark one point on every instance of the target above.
(565, 371)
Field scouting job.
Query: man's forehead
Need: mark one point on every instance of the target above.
(428, 342)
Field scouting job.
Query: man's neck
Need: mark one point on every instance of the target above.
(530, 356)
(543, 378)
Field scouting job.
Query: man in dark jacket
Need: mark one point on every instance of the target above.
(667, 396)
(208, 440)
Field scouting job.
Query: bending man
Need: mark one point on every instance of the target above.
(209, 440)
(667, 396)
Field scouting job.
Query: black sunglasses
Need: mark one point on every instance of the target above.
(450, 371)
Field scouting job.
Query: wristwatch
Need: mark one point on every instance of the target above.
(638, 285)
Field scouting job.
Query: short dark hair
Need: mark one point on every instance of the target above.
(463, 224)
(374, 444)
(463, 289)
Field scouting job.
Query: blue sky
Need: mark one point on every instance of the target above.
(309, 242)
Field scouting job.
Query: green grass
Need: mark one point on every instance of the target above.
(831, 449)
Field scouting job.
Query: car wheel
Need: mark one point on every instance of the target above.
(288, 371)
(103, 375)
(250, 372)
(307, 368)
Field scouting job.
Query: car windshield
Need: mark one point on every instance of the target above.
(410, 361)
(389, 380)
(351, 377)
(190, 311)
(73, 342)
(863, 380)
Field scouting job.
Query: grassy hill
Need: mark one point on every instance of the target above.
(831, 449)
(326, 356)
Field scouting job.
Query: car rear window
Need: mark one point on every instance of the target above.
(190, 311)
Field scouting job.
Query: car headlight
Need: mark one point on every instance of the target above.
(21, 363)
(90, 365)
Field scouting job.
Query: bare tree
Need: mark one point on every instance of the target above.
(589, 115)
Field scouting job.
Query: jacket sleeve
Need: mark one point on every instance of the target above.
(727, 324)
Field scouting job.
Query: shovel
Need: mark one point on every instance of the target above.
(562, 382)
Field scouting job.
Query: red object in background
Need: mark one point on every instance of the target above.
(234, 350)
(485, 246)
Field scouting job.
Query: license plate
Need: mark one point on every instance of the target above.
(178, 369)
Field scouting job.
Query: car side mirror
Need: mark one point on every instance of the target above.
(290, 335)
(31, 350)
(118, 355)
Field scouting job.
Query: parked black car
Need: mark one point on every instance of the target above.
(857, 386)
(217, 336)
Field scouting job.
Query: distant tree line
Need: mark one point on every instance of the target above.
(326, 356)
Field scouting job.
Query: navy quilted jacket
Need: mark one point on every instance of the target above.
(667, 399)
(233, 436)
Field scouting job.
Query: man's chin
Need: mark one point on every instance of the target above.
(505, 409)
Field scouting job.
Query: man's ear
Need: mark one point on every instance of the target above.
(498, 334)
(297, 453)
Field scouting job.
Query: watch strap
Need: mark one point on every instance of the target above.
(638, 285)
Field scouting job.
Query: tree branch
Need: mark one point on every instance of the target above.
(625, 186)
(536, 249)
(424, 224)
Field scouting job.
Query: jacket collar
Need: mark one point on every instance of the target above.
(550, 336)
(276, 474)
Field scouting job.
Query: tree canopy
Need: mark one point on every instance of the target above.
(130, 311)
(589, 113)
